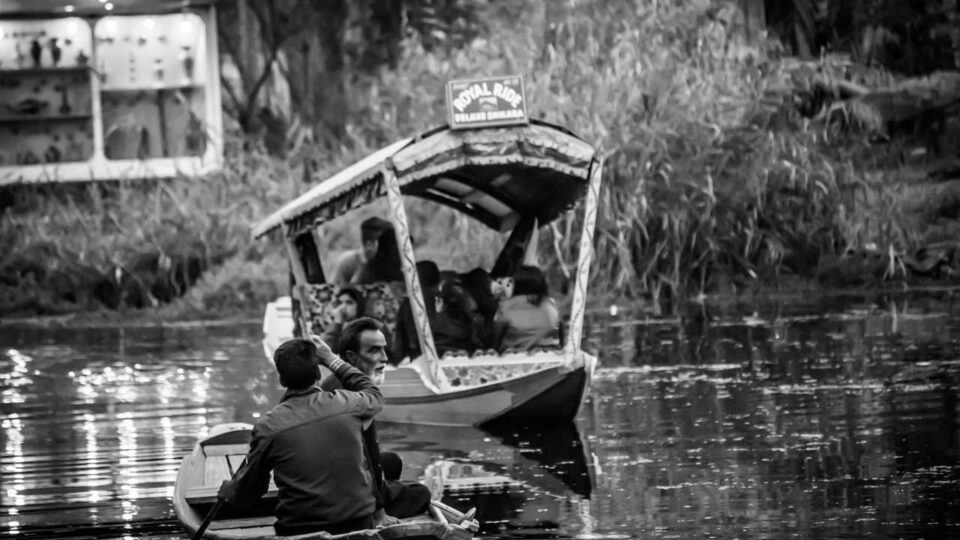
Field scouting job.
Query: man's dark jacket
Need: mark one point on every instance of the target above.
(371, 448)
(311, 441)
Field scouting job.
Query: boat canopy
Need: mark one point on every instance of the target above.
(495, 175)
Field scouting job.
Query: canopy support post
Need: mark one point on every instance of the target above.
(585, 257)
(299, 283)
(398, 216)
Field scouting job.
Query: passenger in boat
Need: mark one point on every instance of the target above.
(403, 498)
(311, 441)
(385, 264)
(478, 283)
(407, 344)
(529, 318)
(459, 326)
(348, 266)
(364, 346)
(502, 277)
(349, 307)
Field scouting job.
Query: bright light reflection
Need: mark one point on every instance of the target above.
(149, 23)
(111, 27)
(108, 6)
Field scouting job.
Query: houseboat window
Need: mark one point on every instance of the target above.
(152, 70)
(46, 96)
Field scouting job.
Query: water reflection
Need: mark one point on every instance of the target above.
(832, 419)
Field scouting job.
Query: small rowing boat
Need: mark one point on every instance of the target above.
(216, 457)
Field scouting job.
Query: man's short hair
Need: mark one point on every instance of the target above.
(392, 465)
(350, 334)
(429, 274)
(371, 229)
(297, 362)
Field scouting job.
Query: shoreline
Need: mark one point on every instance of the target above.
(165, 317)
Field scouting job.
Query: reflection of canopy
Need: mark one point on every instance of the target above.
(494, 175)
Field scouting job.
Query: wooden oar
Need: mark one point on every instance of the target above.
(216, 506)
(465, 520)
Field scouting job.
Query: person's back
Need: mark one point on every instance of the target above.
(529, 318)
(311, 442)
(385, 264)
(350, 265)
(458, 325)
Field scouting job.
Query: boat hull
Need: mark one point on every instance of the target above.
(546, 386)
(211, 462)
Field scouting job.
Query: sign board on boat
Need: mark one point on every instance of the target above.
(486, 102)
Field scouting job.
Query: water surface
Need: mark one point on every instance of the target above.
(828, 419)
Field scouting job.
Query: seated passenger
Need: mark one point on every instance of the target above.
(458, 325)
(529, 318)
(384, 265)
(477, 282)
(349, 307)
(502, 277)
(407, 344)
(348, 266)
(402, 499)
(323, 483)
(364, 346)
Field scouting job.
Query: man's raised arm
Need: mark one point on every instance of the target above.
(370, 400)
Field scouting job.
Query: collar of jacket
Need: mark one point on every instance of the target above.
(290, 394)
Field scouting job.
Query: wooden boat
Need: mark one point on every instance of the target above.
(217, 456)
(515, 178)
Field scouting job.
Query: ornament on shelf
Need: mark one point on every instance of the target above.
(55, 51)
(186, 59)
(64, 103)
(35, 51)
(21, 58)
(158, 69)
(82, 59)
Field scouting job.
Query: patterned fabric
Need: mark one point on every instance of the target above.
(381, 301)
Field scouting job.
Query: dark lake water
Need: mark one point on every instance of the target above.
(824, 419)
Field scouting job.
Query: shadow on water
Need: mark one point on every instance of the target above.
(833, 419)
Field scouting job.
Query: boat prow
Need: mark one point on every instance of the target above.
(214, 459)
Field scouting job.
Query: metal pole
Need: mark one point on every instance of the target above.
(398, 215)
(585, 257)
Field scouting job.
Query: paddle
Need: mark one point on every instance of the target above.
(216, 506)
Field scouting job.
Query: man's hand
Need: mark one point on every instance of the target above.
(324, 353)
(228, 491)
(382, 519)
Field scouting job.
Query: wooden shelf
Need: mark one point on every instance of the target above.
(26, 118)
(129, 89)
(45, 71)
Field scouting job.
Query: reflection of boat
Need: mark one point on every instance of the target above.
(521, 481)
(512, 178)
(214, 459)
(551, 459)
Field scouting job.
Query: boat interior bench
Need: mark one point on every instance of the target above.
(381, 301)
(221, 462)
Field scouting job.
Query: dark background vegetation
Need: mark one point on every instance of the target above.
(750, 145)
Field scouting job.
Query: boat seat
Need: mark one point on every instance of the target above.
(381, 301)
(246, 525)
(220, 464)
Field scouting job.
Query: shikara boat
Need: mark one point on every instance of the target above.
(216, 457)
(513, 178)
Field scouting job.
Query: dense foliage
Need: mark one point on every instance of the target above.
(715, 176)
